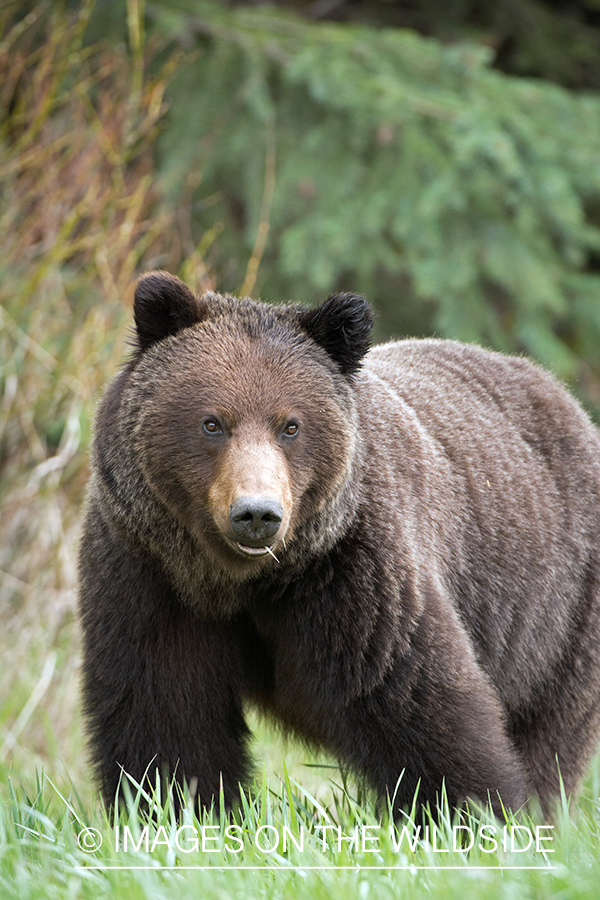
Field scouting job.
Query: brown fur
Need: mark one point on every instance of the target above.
(433, 611)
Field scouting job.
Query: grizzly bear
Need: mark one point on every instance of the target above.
(395, 552)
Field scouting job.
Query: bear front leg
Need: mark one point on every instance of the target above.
(162, 687)
(404, 704)
(435, 721)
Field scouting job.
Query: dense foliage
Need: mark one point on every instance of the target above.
(544, 38)
(462, 201)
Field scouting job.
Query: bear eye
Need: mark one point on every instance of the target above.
(211, 426)
(291, 429)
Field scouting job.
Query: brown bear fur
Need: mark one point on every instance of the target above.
(429, 610)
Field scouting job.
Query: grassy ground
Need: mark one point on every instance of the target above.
(80, 213)
(285, 842)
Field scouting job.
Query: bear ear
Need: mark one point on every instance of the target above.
(342, 326)
(162, 306)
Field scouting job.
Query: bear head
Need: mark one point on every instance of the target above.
(246, 424)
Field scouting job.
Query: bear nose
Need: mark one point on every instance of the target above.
(255, 519)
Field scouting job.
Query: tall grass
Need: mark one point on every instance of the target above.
(284, 842)
(80, 212)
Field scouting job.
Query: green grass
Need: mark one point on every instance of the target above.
(54, 844)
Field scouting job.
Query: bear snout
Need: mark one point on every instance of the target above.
(255, 520)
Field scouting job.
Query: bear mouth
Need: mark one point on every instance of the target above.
(251, 551)
(255, 551)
